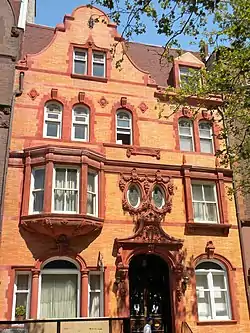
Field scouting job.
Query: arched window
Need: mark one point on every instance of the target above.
(80, 123)
(59, 290)
(52, 120)
(212, 291)
(123, 127)
(186, 134)
(206, 137)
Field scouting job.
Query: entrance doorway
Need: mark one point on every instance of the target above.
(149, 293)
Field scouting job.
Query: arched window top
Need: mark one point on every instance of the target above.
(53, 120)
(80, 123)
(60, 263)
(123, 127)
(53, 106)
(210, 265)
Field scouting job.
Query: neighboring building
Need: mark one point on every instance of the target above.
(110, 211)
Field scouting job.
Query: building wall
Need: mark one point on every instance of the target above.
(47, 74)
(10, 38)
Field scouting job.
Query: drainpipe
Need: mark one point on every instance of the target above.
(16, 93)
(243, 257)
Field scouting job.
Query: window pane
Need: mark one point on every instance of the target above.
(206, 145)
(197, 192)
(94, 304)
(53, 116)
(98, 70)
(186, 143)
(91, 182)
(72, 178)
(55, 108)
(59, 200)
(80, 111)
(134, 195)
(185, 127)
(80, 132)
(209, 192)
(198, 208)
(95, 282)
(201, 281)
(22, 282)
(71, 201)
(220, 298)
(38, 201)
(39, 178)
(80, 55)
(59, 296)
(99, 57)
(204, 304)
(205, 129)
(211, 212)
(219, 281)
(80, 67)
(60, 178)
(21, 299)
(90, 203)
(52, 129)
(123, 139)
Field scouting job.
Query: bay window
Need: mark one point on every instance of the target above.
(66, 190)
(205, 206)
(92, 193)
(212, 292)
(37, 190)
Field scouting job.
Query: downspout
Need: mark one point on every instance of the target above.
(16, 93)
(243, 257)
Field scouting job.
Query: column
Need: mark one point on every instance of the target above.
(34, 293)
(84, 294)
(26, 186)
(83, 188)
(48, 184)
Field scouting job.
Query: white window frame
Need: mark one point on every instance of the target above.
(96, 197)
(58, 121)
(120, 131)
(103, 62)
(65, 189)
(205, 202)
(28, 292)
(31, 201)
(188, 73)
(60, 272)
(82, 60)
(101, 291)
(209, 273)
(77, 122)
(187, 135)
(211, 139)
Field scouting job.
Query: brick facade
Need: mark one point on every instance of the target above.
(28, 240)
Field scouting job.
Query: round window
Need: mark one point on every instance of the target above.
(158, 197)
(134, 196)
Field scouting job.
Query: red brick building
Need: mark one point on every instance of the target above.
(109, 210)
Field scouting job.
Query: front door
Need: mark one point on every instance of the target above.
(149, 293)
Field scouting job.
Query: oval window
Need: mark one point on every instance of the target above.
(134, 196)
(158, 197)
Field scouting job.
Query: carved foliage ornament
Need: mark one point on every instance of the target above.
(154, 193)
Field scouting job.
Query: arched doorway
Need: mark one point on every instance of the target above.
(150, 294)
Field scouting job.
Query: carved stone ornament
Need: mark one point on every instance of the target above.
(206, 114)
(186, 112)
(15, 31)
(123, 101)
(54, 93)
(4, 116)
(144, 151)
(55, 226)
(210, 248)
(33, 94)
(103, 102)
(81, 97)
(143, 107)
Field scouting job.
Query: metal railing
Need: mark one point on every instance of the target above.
(75, 325)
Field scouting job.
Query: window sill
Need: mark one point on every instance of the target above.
(54, 225)
(216, 322)
(211, 229)
(89, 77)
(117, 145)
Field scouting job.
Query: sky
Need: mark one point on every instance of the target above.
(51, 12)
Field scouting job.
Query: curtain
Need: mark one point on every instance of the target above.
(59, 296)
(59, 194)
(91, 194)
(94, 304)
(220, 295)
(66, 190)
(203, 297)
(71, 195)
